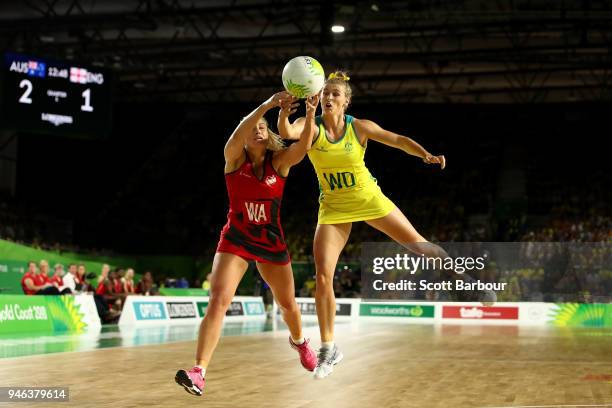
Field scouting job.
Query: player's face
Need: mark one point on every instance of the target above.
(259, 135)
(333, 98)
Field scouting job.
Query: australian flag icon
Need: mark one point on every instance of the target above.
(37, 69)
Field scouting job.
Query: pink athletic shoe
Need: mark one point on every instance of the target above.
(191, 380)
(308, 357)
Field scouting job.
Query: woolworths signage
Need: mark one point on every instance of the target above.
(40, 314)
(397, 310)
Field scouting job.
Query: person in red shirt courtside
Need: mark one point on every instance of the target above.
(34, 283)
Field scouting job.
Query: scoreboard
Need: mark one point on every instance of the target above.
(46, 96)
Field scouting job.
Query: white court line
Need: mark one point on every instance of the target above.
(551, 406)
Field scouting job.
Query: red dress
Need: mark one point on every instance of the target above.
(253, 230)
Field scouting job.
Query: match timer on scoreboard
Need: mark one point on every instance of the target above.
(47, 96)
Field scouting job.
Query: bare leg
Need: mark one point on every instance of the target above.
(397, 227)
(329, 241)
(280, 280)
(227, 271)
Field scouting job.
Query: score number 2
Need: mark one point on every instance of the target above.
(25, 97)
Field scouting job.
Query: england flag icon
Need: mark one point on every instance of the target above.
(78, 75)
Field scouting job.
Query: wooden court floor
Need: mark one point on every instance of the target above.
(385, 365)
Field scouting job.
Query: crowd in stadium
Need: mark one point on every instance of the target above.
(575, 215)
(109, 289)
(533, 283)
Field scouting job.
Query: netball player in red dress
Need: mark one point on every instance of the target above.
(256, 165)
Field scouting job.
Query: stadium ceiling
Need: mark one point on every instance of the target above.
(487, 51)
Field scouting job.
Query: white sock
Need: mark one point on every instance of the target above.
(327, 345)
(203, 370)
(299, 341)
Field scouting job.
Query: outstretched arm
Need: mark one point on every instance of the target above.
(296, 152)
(235, 144)
(287, 130)
(376, 133)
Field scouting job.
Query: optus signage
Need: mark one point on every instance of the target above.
(254, 308)
(149, 311)
(480, 312)
(397, 310)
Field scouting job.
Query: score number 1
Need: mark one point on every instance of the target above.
(25, 97)
(87, 105)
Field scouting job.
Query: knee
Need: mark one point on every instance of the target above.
(287, 305)
(219, 302)
(325, 280)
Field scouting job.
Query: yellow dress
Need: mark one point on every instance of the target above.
(349, 193)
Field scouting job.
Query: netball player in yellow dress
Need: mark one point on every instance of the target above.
(348, 193)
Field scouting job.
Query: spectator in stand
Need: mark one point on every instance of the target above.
(206, 284)
(71, 278)
(103, 275)
(82, 275)
(43, 266)
(35, 284)
(115, 278)
(128, 282)
(347, 286)
(104, 299)
(145, 286)
(106, 288)
(308, 288)
(43, 270)
(57, 280)
(182, 283)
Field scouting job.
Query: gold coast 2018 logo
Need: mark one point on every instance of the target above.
(581, 315)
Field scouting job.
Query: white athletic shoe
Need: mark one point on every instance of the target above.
(326, 360)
